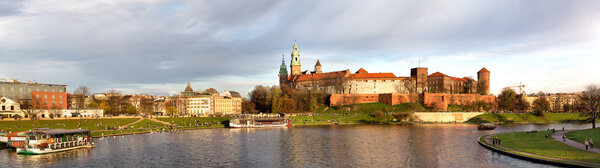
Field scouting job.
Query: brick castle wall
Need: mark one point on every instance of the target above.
(438, 100)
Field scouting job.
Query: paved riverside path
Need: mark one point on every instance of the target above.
(523, 154)
(127, 125)
(158, 121)
(558, 137)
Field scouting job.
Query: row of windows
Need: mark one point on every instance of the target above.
(46, 96)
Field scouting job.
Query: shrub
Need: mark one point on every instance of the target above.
(377, 114)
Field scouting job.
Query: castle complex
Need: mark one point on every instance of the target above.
(436, 89)
(364, 82)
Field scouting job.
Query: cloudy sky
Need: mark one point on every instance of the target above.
(151, 46)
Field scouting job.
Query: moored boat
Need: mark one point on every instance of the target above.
(44, 140)
(259, 121)
(486, 126)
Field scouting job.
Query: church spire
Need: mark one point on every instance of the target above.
(295, 65)
(283, 68)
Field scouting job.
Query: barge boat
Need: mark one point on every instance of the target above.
(45, 140)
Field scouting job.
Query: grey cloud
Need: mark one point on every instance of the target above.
(179, 41)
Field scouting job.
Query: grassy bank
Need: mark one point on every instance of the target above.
(89, 124)
(537, 143)
(527, 117)
(197, 121)
(582, 135)
(98, 126)
(367, 113)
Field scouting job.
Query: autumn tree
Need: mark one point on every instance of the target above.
(506, 99)
(541, 106)
(590, 99)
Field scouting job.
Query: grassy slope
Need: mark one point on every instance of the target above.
(89, 124)
(190, 121)
(537, 143)
(581, 136)
(358, 113)
(526, 117)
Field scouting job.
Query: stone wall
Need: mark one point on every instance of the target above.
(441, 100)
(445, 116)
(393, 99)
(347, 99)
(438, 100)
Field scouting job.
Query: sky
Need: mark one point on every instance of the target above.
(156, 47)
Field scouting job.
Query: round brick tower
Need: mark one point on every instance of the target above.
(483, 81)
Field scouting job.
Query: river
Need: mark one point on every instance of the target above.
(421, 145)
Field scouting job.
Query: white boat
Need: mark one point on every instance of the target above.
(44, 140)
(259, 121)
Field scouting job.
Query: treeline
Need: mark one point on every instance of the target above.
(284, 99)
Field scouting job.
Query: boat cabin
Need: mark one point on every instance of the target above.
(42, 138)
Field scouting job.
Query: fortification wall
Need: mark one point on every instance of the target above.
(437, 100)
(441, 100)
(347, 99)
(446, 116)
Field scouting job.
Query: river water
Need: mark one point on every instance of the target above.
(422, 145)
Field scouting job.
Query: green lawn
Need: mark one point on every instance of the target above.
(191, 121)
(89, 124)
(582, 135)
(527, 117)
(146, 123)
(537, 143)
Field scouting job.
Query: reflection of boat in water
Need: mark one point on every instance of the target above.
(45, 140)
(260, 121)
(486, 126)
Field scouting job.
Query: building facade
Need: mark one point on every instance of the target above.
(203, 103)
(16, 90)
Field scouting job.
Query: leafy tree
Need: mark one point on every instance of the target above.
(590, 99)
(541, 106)
(506, 99)
(93, 105)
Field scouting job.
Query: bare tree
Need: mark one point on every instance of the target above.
(591, 101)
(114, 102)
(30, 110)
(79, 96)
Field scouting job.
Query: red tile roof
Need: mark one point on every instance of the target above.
(361, 71)
(373, 75)
(317, 76)
(437, 74)
(483, 70)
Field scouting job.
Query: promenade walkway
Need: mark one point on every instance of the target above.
(127, 125)
(532, 156)
(158, 121)
(558, 137)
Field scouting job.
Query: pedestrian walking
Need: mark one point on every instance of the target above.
(564, 138)
(591, 143)
(499, 141)
(586, 144)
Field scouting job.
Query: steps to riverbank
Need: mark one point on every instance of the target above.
(533, 157)
(558, 137)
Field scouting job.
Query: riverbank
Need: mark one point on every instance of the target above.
(582, 135)
(118, 126)
(539, 147)
(528, 118)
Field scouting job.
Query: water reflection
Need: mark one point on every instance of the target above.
(426, 145)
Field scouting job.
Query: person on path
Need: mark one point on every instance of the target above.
(586, 144)
(564, 138)
(591, 143)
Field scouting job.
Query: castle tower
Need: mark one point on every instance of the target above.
(318, 67)
(483, 81)
(283, 73)
(295, 65)
(420, 74)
